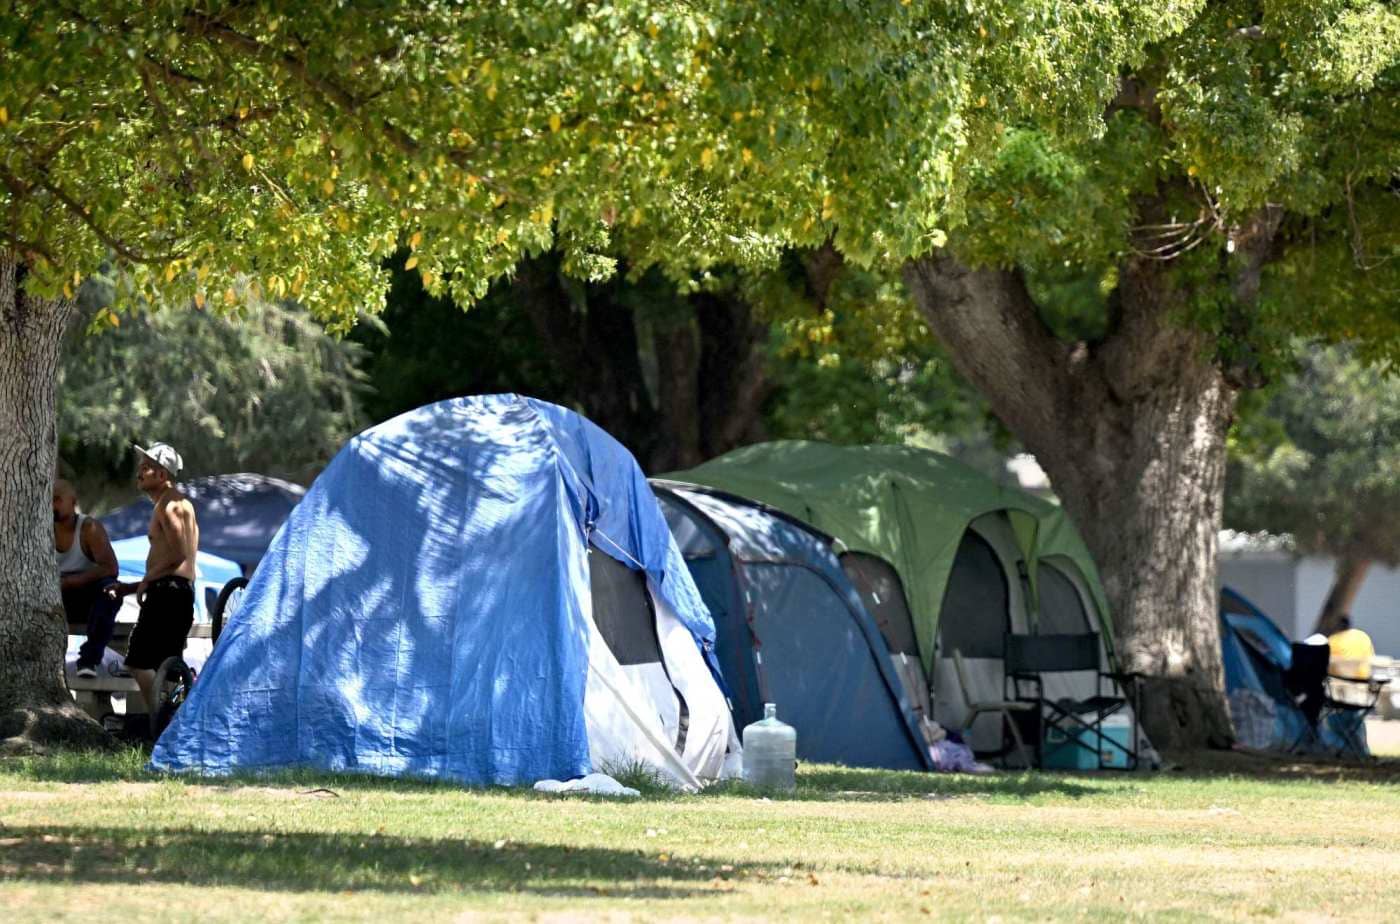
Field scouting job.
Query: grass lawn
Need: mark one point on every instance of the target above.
(1228, 838)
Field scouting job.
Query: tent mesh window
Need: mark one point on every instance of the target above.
(883, 595)
(622, 610)
(1061, 608)
(623, 613)
(976, 611)
(692, 535)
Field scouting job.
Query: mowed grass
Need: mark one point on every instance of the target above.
(1229, 838)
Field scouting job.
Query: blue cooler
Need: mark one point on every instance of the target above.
(1063, 752)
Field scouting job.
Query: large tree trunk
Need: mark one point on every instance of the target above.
(1351, 572)
(1132, 434)
(710, 382)
(35, 707)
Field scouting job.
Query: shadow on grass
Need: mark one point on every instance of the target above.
(1267, 766)
(815, 782)
(834, 783)
(316, 862)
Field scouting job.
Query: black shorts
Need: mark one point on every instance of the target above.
(167, 613)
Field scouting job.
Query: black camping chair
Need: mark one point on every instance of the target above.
(1030, 656)
(1306, 682)
(1340, 704)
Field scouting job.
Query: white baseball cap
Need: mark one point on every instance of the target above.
(164, 455)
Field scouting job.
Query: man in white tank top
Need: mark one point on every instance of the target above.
(86, 565)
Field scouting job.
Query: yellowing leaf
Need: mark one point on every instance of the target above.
(67, 290)
(4, 116)
(112, 319)
(555, 123)
(491, 92)
(428, 278)
(414, 241)
(747, 155)
(230, 296)
(199, 300)
(707, 157)
(328, 187)
(410, 263)
(248, 162)
(502, 235)
(169, 272)
(202, 273)
(1191, 170)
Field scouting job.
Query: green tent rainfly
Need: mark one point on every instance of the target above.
(908, 506)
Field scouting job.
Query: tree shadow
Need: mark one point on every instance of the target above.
(854, 784)
(313, 862)
(815, 783)
(1267, 766)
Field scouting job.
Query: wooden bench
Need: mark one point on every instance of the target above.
(94, 694)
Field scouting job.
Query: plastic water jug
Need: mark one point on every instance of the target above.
(770, 752)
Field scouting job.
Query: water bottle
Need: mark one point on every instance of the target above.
(770, 752)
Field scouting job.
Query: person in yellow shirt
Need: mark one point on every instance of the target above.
(1352, 652)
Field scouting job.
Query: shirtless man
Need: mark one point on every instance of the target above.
(167, 591)
(86, 566)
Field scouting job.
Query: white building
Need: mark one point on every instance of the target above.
(1291, 588)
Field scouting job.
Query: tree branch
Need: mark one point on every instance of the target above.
(72, 206)
(996, 339)
(332, 94)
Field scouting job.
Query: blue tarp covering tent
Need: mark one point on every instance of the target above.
(238, 514)
(1257, 655)
(481, 590)
(792, 630)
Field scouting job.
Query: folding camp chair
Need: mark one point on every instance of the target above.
(1345, 705)
(1080, 720)
(1005, 708)
(1306, 682)
(1330, 703)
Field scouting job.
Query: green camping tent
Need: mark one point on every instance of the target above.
(910, 507)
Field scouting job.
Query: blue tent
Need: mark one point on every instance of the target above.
(1257, 655)
(238, 514)
(481, 590)
(792, 629)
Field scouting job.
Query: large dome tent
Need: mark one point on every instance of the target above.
(481, 590)
(941, 555)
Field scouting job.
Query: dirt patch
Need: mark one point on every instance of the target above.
(29, 795)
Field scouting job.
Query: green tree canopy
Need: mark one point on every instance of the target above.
(1217, 170)
(267, 391)
(1320, 461)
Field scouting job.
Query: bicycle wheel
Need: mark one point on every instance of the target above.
(172, 686)
(230, 596)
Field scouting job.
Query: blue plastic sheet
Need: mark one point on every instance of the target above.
(422, 611)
